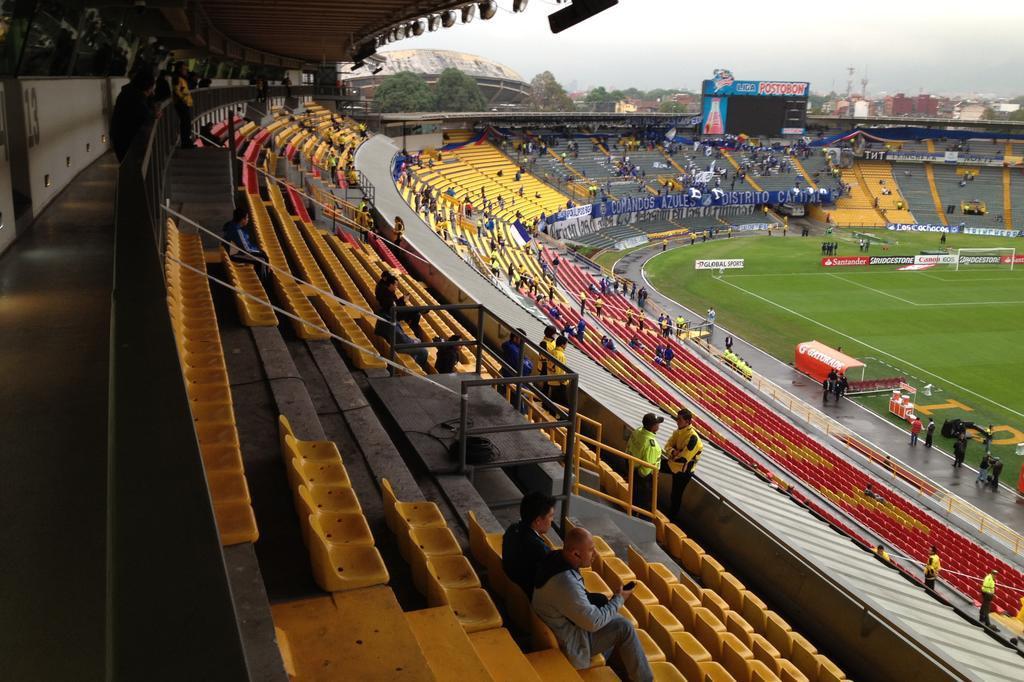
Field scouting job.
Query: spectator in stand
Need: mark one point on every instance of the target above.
(133, 111)
(634, 343)
(523, 545)
(183, 104)
(598, 306)
(399, 230)
(243, 248)
(607, 344)
(869, 491)
(915, 429)
(932, 568)
(581, 627)
(447, 357)
(644, 446)
(667, 357)
(388, 300)
(929, 433)
(882, 555)
(583, 302)
(581, 329)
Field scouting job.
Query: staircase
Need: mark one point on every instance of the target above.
(930, 174)
(200, 187)
(1007, 200)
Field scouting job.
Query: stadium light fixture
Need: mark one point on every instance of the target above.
(579, 10)
(418, 27)
(393, 35)
(488, 9)
(468, 12)
(448, 19)
(520, 5)
(434, 22)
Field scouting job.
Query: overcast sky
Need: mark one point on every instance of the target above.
(936, 46)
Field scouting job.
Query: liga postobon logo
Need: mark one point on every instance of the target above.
(804, 349)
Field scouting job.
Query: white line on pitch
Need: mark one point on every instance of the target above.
(874, 348)
(877, 291)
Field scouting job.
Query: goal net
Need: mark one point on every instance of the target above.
(988, 258)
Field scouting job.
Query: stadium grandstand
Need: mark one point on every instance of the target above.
(501, 86)
(292, 398)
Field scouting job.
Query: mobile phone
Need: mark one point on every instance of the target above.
(629, 586)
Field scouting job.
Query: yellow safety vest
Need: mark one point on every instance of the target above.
(643, 445)
(931, 569)
(988, 585)
(681, 457)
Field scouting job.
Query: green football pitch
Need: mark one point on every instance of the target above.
(955, 330)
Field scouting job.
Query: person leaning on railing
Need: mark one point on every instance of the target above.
(682, 452)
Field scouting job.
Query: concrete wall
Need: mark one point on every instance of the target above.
(7, 226)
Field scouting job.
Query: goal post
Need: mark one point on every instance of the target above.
(998, 256)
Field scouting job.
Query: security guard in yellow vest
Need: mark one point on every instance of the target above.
(988, 595)
(682, 452)
(643, 445)
(932, 568)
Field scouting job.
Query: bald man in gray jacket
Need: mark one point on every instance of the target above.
(582, 628)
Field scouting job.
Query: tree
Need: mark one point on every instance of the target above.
(670, 106)
(404, 91)
(547, 94)
(1017, 115)
(458, 92)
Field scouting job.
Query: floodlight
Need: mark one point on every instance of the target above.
(468, 12)
(488, 9)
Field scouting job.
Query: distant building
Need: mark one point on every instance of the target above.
(926, 105)
(500, 85)
(969, 111)
(898, 105)
(631, 105)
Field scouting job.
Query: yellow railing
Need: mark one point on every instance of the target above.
(587, 452)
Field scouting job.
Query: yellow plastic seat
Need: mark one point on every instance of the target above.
(735, 624)
(541, 636)
(779, 634)
(687, 654)
(712, 671)
(316, 473)
(552, 666)
(616, 573)
(637, 563)
(599, 674)
(236, 523)
(666, 672)
(473, 607)
(661, 624)
(765, 652)
(660, 579)
(453, 572)
(400, 515)
(327, 499)
(484, 547)
(342, 529)
(212, 412)
(715, 604)
(755, 612)
(592, 582)
(221, 458)
(804, 656)
(228, 486)
(732, 591)
(652, 651)
(311, 450)
(502, 657)
(788, 672)
(345, 567)
(219, 433)
(690, 554)
(829, 671)
(682, 603)
(710, 572)
(674, 537)
(735, 656)
(759, 672)
(708, 630)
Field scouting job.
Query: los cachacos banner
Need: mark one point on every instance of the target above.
(695, 198)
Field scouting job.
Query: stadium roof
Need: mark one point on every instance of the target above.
(313, 30)
(433, 62)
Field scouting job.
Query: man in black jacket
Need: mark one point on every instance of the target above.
(133, 111)
(523, 545)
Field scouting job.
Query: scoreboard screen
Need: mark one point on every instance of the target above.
(758, 108)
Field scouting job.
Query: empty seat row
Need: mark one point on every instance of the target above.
(341, 546)
(194, 322)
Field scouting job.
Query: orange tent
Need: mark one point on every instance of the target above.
(816, 360)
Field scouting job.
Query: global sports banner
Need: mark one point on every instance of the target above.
(719, 264)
